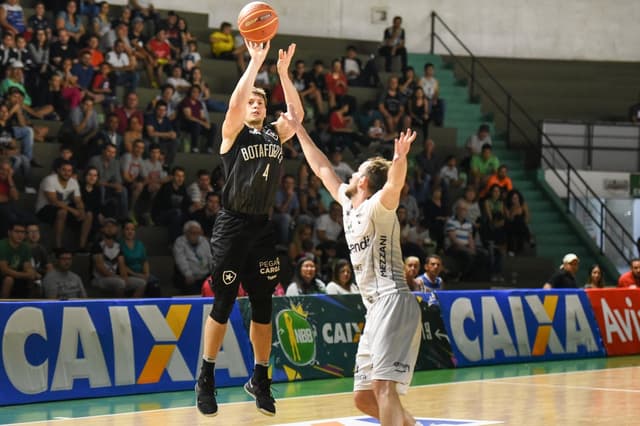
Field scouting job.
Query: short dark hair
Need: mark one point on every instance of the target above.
(17, 222)
(427, 65)
(160, 103)
(64, 163)
(202, 172)
(154, 146)
(60, 251)
(177, 169)
(486, 146)
(484, 128)
(165, 86)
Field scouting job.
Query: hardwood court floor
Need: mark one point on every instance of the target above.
(584, 392)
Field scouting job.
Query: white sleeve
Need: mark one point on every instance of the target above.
(342, 196)
(49, 184)
(75, 188)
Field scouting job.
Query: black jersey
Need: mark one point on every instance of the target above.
(252, 171)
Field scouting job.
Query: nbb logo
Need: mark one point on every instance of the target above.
(296, 336)
(106, 345)
(506, 327)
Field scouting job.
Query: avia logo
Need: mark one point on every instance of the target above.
(296, 336)
(623, 324)
(520, 326)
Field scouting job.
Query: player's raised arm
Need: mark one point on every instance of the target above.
(291, 95)
(318, 162)
(234, 119)
(390, 192)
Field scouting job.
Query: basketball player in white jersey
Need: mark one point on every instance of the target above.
(389, 345)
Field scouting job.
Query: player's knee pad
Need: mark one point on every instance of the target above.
(261, 309)
(222, 307)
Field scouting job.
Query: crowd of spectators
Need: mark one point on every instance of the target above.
(117, 164)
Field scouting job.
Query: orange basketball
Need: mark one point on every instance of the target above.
(258, 22)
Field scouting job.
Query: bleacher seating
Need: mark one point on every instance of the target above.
(462, 120)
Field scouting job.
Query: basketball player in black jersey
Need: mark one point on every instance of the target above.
(243, 240)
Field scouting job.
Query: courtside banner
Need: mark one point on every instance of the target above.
(617, 311)
(316, 337)
(77, 349)
(492, 327)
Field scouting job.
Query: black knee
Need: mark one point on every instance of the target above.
(261, 308)
(222, 307)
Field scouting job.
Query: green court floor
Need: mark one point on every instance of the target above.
(132, 403)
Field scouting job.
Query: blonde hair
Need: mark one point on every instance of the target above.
(260, 92)
(376, 171)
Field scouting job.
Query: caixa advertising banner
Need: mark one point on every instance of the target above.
(618, 314)
(78, 349)
(491, 327)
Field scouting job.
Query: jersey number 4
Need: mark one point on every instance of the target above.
(266, 172)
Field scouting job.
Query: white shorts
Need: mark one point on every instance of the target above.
(389, 345)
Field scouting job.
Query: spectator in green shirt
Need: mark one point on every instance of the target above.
(18, 275)
(483, 166)
(135, 258)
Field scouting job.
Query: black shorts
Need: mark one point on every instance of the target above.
(48, 214)
(243, 251)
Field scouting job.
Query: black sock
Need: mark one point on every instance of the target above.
(207, 370)
(260, 373)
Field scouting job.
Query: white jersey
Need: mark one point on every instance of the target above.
(373, 236)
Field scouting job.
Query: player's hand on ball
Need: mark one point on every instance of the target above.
(258, 51)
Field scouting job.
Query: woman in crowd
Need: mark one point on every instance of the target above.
(305, 280)
(69, 20)
(135, 257)
(302, 242)
(595, 278)
(39, 50)
(93, 200)
(418, 111)
(342, 282)
(133, 133)
(517, 224)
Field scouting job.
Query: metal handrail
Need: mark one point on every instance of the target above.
(508, 113)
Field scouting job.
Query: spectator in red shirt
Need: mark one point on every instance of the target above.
(97, 57)
(103, 84)
(160, 50)
(337, 87)
(631, 279)
(129, 109)
(343, 131)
